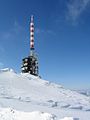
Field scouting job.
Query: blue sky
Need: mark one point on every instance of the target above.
(62, 38)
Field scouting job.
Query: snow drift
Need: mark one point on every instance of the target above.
(11, 114)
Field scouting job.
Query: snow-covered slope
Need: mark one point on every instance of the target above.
(84, 92)
(28, 93)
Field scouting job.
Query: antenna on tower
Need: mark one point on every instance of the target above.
(32, 18)
(30, 63)
(32, 33)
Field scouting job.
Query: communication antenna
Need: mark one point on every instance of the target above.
(30, 63)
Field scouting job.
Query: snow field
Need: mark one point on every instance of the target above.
(25, 92)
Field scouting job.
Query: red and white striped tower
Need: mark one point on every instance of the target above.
(32, 33)
(30, 63)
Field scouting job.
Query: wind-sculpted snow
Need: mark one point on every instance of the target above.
(69, 118)
(26, 92)
(11, 114)
(6, 70)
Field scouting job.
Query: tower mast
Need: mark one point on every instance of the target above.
(32, 33)
(30, 63)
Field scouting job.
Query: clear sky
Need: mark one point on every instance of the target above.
(62, 38)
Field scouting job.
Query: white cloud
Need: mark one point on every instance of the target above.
(6, 35)
(41, 31)
(16, 29)
(75, 8)
(1, 65)
(9, 35)
(2, 49)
